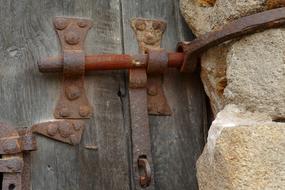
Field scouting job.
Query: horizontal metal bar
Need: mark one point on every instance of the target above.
(108, 62)
(11, 165)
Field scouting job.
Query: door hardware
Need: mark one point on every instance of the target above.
(243, 26)
(110, 62)
(145, 173)
(72, 102)
(149, 63)
(187, 56)
(149, 34)
(67, 131)
(15, 162)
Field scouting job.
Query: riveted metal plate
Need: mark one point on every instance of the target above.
(67, 131)
(11, 142)
(73, 102)
(149, 34)
(14, 147)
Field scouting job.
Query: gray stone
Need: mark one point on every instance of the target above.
(249, 72)
(256, 73)
(245, 151)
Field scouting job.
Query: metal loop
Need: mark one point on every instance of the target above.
(157, 61)
(144, 166)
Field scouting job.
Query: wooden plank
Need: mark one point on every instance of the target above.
(177, 140)
(27, 97)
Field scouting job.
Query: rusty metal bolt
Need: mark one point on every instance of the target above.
(77, 126)
(14, 165)
(140, 25)
(52, 129)
(64, 129)
(150, 38)
(82, 24)
(158, 25)
(64, 112)
(84, 111)
(11, 146)
(72, 37)
(152, 90)
(72, 92)
(74, 139)
(60, 23)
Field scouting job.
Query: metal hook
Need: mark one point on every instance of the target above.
(144, 167)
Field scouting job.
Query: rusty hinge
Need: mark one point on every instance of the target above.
(15, 161)
(149, 35)
(67, 131)
(72, 103)
(146, 95)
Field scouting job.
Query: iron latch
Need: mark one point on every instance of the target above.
(146, 71)
(15, 147)
(72, 103)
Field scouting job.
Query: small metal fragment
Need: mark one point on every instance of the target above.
(67, 131)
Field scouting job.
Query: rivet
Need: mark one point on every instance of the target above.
(10, 146)
(84, 111)
(64, 129)
(77, 126)
(52, 129)
(72, 37)
(140, 25)
(14, 165)
(73, 139)
(60, 23)
(64, 112)
(152, 90)
(72, 92)
(82, 24)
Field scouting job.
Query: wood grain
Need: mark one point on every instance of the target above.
(28, 96)
(102, 160)
(178, 140)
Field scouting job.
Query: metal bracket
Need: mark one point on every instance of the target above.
(149, 34)
(243, 26)
(15, 162)
(146, 95)
(73, 102)
(67, 131)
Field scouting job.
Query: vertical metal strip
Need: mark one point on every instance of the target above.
(142, 158)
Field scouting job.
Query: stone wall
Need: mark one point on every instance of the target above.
(245, 82)
(249, 72)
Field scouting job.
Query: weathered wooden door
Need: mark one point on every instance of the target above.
(29, 97)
